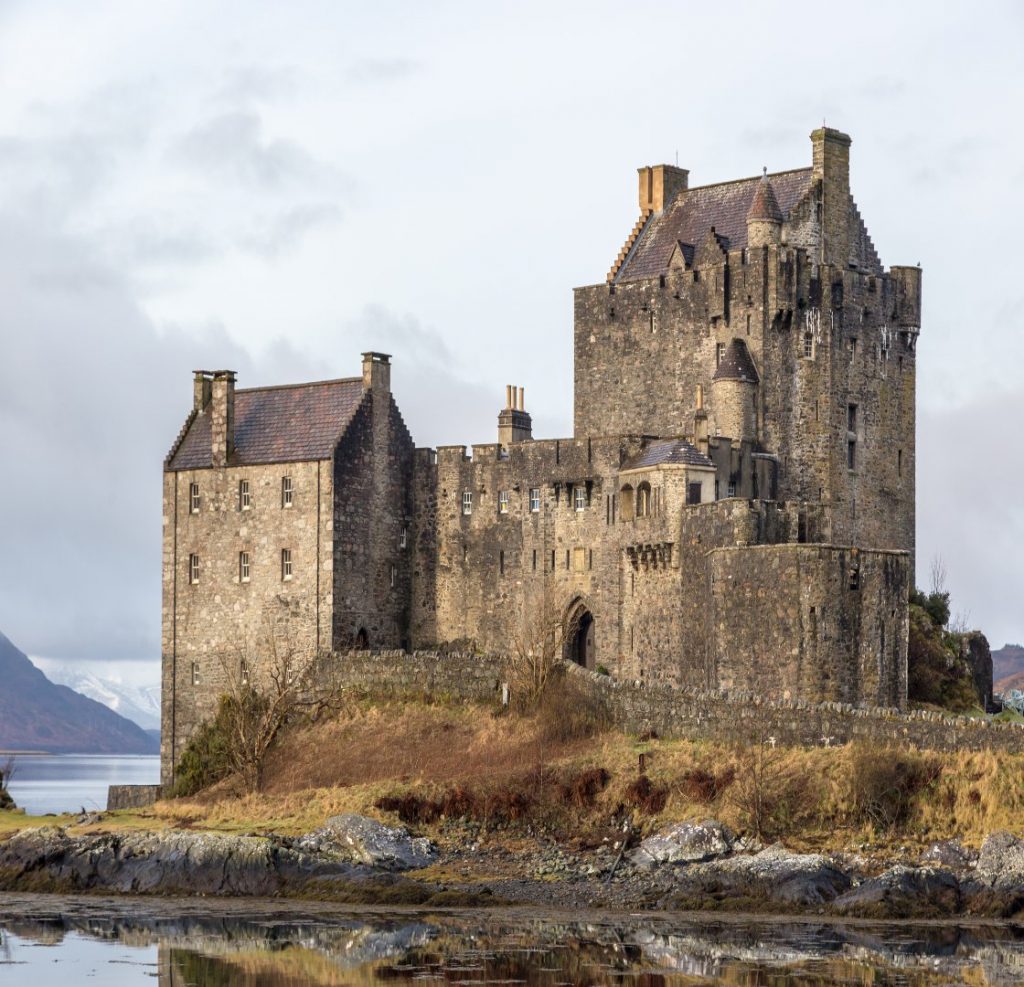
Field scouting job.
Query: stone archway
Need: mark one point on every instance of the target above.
(579, 635)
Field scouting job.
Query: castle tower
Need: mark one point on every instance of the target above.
(764, 218)
(734, 393)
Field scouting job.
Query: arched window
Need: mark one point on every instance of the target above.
(643, 500)
(626, 503)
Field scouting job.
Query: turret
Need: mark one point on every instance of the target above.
(764, 218)
(734, 393)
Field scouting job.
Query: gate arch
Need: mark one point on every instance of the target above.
(579, 643)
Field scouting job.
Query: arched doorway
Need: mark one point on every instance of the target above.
(579, 636)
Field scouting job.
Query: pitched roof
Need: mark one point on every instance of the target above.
(674, 452)
(736, 364)
(276, 424)
(724, 206)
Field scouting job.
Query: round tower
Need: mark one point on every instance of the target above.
(764, 218)
(734, 393)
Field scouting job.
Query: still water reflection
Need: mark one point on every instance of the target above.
(275, 951)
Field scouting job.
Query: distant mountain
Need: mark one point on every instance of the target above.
(140, 704)
(36, 714)
(1008, 668)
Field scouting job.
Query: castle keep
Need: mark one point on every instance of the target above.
(735, 509)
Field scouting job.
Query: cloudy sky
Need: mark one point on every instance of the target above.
(277, 187)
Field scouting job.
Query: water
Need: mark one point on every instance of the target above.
(274, 945)
(69, 782)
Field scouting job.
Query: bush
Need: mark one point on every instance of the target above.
(884, 782)
(703, 786)
(205, 758)
(568, 710)
(770, 797)
(644, 795)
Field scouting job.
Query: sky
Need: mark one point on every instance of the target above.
(276, 188)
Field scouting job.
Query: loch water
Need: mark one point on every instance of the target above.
(58, 783)
(273, 946)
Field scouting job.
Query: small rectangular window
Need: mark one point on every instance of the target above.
(567, 558)
(552, 560)
(503, 502)
(851, 454)
(501, 562)
(731, 489)
(193, 497)
(244, 495)
(719, 354)
(851, 418)
(534, 500)
(286, 563)
(394, 576)
(195, 673)
(808, 345)
(193, 569)
(403, 538)
(467, 502)
(853, 348)
(693, 493)
(243, 567)
(899, 462)
(579, 498)
(287, 491)
(535, 560)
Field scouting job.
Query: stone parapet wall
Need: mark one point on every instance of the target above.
(132, 796)
(682, 713)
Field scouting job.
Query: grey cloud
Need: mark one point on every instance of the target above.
(233, 144)
(246, 84)
(376, 70)
(285, 229)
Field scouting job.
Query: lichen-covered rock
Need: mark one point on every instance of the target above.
(684, 843)
(774, 875)
(903, 892)
(1001, 861)
(367, 841)
(951, 854)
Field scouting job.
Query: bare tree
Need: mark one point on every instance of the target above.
(937, 575)
(537, 642)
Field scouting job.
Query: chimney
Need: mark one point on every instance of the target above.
(514, 424)
(659, 185)
(377, 372)
(222, 417)
(201, 390)
(831, 166)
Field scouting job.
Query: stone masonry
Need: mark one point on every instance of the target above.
(735, 509)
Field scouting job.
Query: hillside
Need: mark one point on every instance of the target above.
(1008, 667)
(140, 704)
(36, 714)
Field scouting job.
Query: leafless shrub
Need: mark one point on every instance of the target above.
(568, 710)
(536, 648)
(769, 796)
(884, 783)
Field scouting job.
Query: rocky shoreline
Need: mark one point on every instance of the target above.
(687, 867)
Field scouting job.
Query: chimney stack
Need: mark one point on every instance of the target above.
(201, 380)
(514, 424)
(222, 417)
(830, 163)
(377, 372)
(659, 185)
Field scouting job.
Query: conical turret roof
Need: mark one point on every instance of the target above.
(764, 207)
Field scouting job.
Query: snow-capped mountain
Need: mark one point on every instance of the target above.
(140, 704)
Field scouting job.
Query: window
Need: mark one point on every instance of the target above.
(503, 502)
(534, 500)
(195, 673)
(552, 560)
(899, 462)
(286, 563)
(693, 493)
(579, 496)
(851, 418)
(730, 491)
(467, 502)
(501, 562)
(243, 672)
(394, 576)
(626, 495)
(243, 567)
(851, 454)
(808, 345)
(244, 495)
(853, 347)
(567, 557)
(193, 569)
(193, 497)
(535, 560)
(643, 500)
(287, 491)
(719, 354)
(403, 538)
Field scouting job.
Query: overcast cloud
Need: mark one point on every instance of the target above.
(183, 186)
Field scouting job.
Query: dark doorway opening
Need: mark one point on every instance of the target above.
(579, 638)
(362, 641)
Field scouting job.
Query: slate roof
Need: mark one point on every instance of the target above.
(674, 452)
(736, 364)
(276, 424)
(765, 205)
(724, 206)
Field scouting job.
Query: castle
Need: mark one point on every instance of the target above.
(735, 509)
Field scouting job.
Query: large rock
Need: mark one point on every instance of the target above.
(366, 841)
(773, 875)
(1001, 861)
(951, 854)
(684, 843)
(903, 892)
